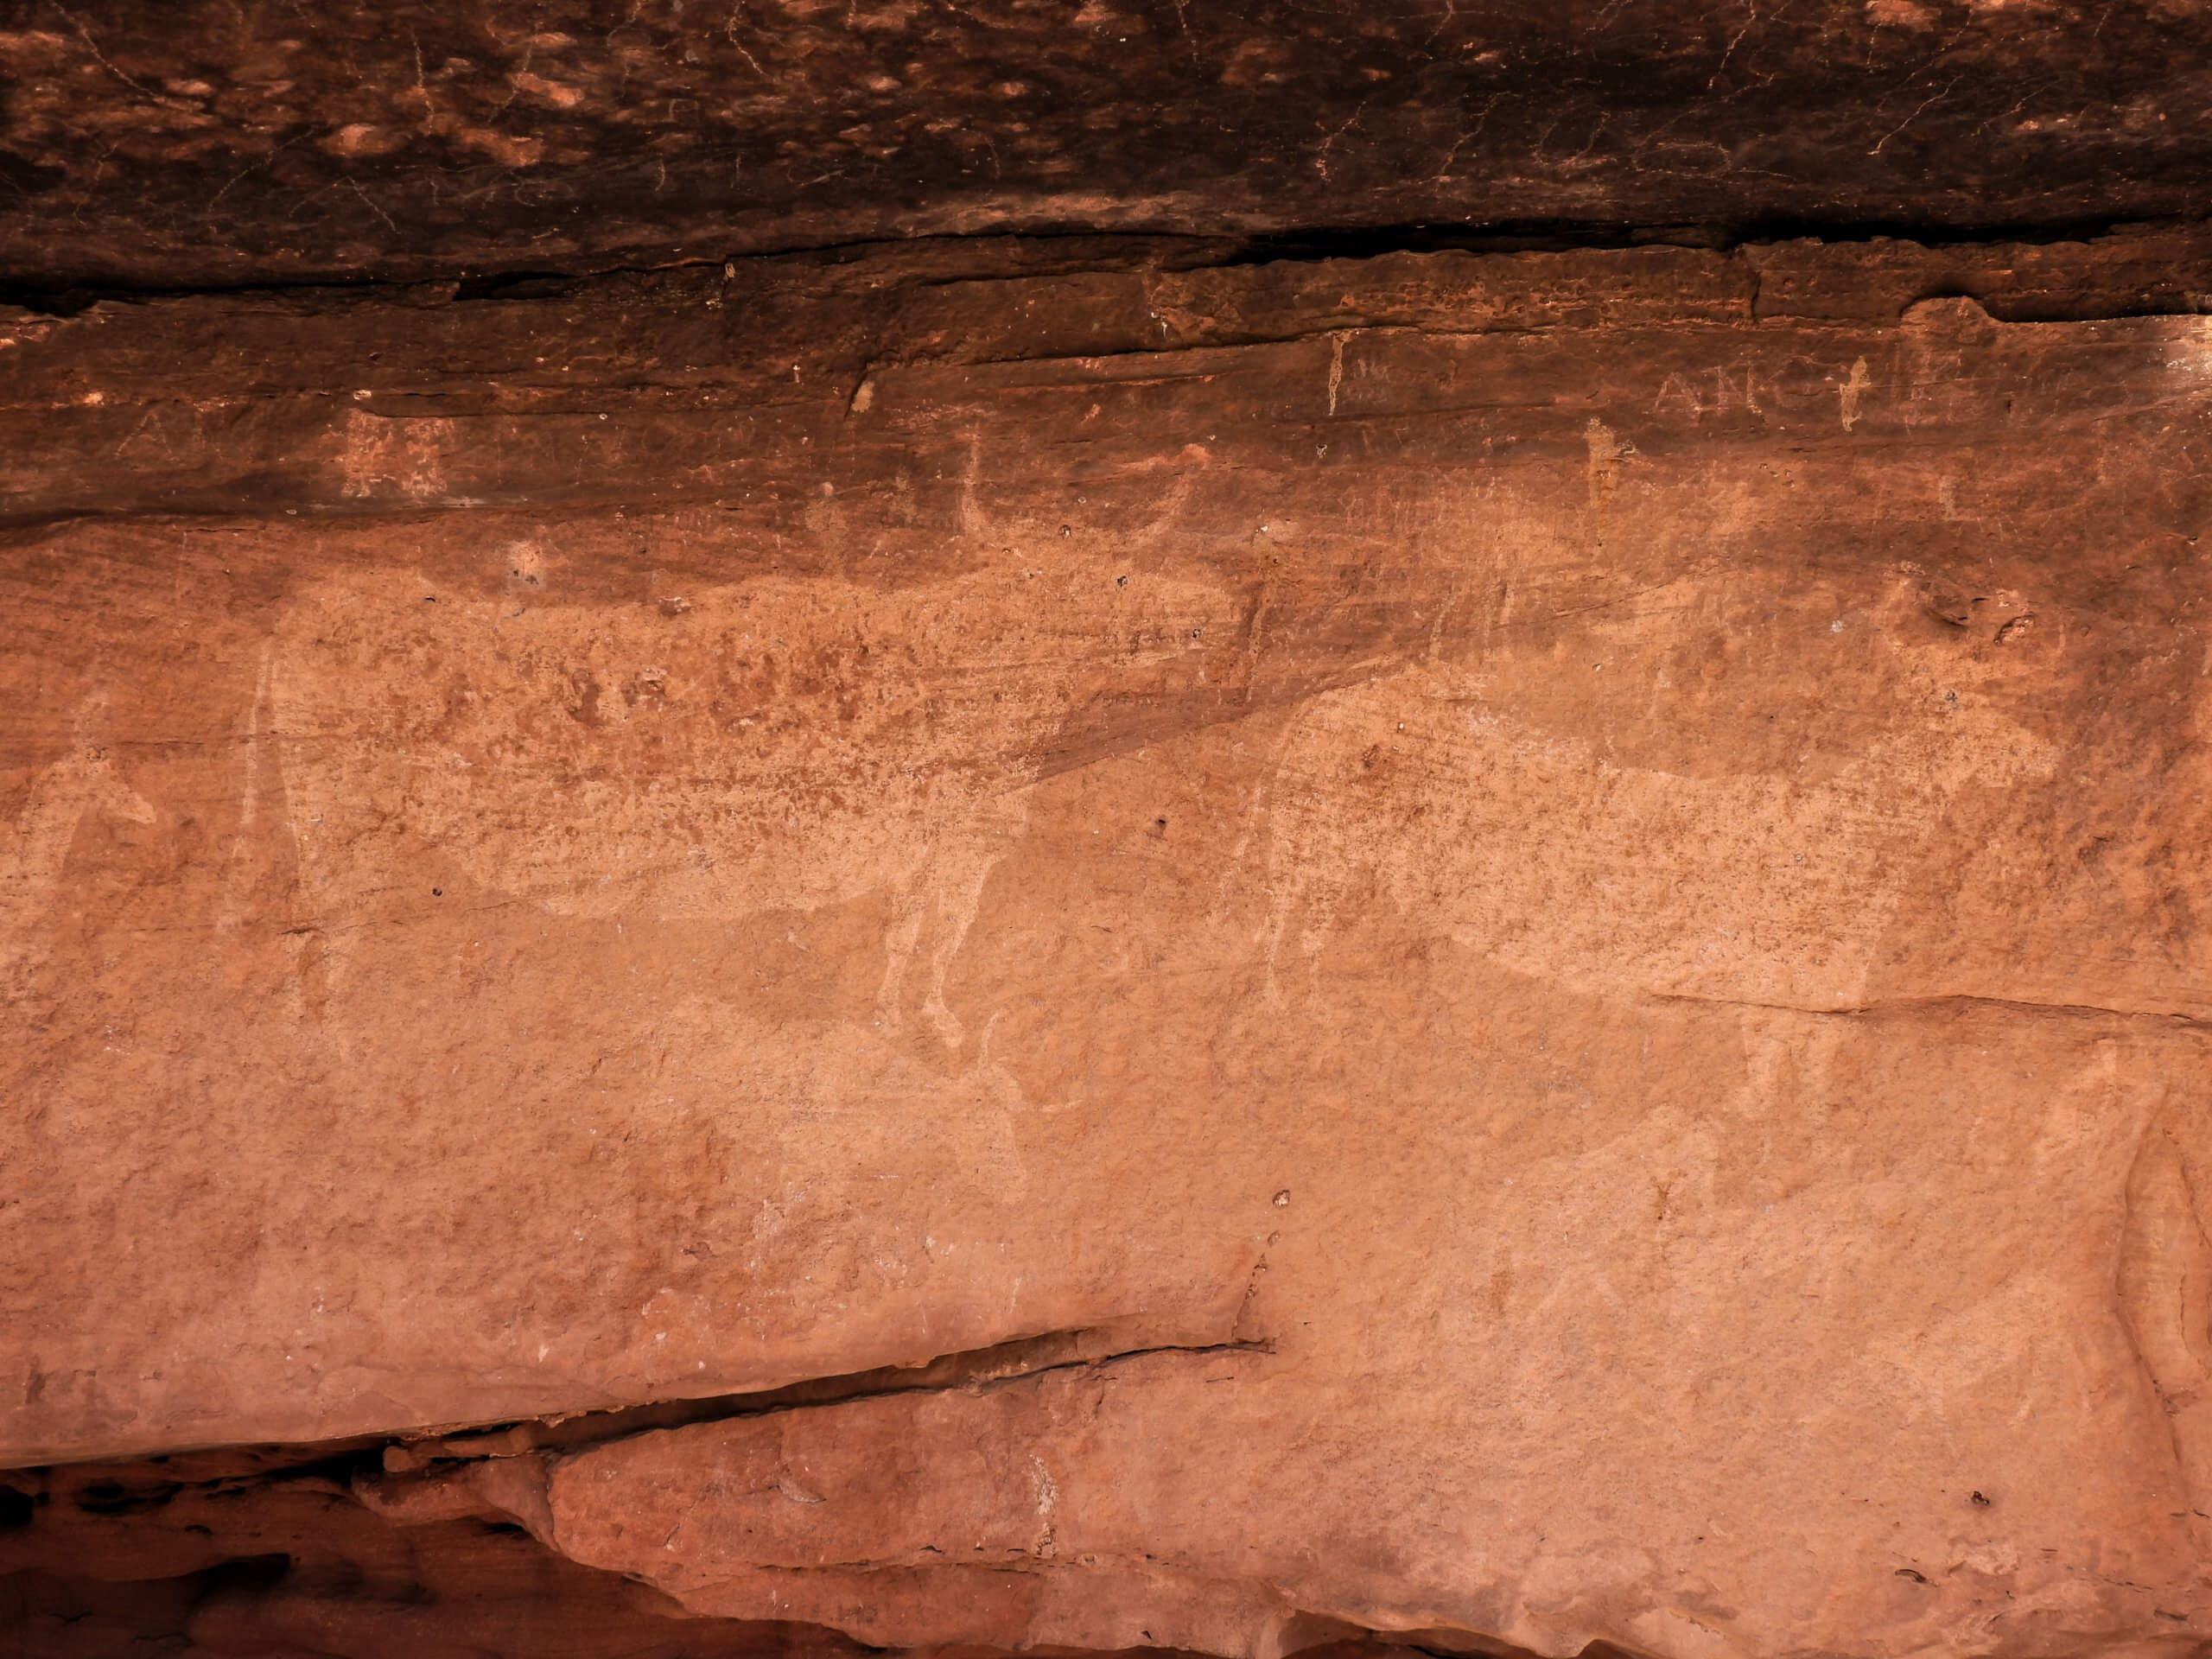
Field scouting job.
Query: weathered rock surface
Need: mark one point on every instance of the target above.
(238, 1554)
(1510, 949)
(204, 141)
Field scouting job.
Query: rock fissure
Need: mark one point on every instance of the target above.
(1000, 1366)
(2177, 1016)
(2178, 255)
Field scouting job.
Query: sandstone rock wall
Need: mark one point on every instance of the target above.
(1030, 946)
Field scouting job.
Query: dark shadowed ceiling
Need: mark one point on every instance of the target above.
(211, 142)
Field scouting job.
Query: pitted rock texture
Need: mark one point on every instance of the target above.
(1025, 947)
(204, 142)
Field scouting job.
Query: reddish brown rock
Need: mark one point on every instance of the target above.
(203, 142)
(1505, 950)
(230, 1554)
